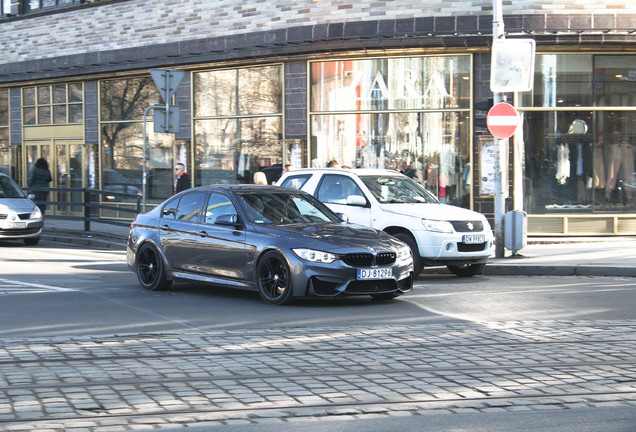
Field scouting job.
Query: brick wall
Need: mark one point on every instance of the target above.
(137, 23)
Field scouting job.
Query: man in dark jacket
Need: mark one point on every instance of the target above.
(182, 181)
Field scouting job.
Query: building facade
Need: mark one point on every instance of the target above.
(396, 84)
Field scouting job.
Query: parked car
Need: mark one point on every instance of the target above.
(20, 218)
(438, 234)
(280, 242)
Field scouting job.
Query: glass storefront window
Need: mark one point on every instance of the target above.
(579, 149)
(407, 114)
(123, 103)
(580, 161)
(391, 84)
(238, 124)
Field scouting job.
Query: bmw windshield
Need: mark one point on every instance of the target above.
(285, 208)
(388, 189)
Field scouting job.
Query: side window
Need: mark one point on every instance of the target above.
(218, 205)
(170, 209)
(296, 181)
(335, 189)
(190, 206)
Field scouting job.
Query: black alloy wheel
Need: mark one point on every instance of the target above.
(150, 269)
(274, 279)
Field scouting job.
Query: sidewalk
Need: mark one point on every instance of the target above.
(584, 256)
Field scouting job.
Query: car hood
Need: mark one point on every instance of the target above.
(339, 235)
(17, 205)
(436, 211)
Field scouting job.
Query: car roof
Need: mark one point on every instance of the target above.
(241, 188)
(357, 171)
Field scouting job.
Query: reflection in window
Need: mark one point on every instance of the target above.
(580, 161)
(238, 124)
(123, 102)
(58, 104)
(408, 114)
(431, 147)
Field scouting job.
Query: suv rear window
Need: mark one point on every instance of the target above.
(295, 181)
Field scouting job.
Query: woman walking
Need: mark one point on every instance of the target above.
(40, 177)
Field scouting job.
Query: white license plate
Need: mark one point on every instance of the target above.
(15, 225)
(378, 273)
(473, 238)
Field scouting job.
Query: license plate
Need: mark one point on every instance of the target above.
(15, 225)
(378, 273)
(473, 238)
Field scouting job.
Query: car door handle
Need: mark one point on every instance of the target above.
(165, 227)
(203, 233)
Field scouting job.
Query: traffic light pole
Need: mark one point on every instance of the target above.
(500, 146)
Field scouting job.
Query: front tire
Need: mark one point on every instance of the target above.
(467, 270)
(274, 279)
(151, 271)
(418, 265)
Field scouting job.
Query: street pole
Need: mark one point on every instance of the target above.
(500, 145)
(144, 163)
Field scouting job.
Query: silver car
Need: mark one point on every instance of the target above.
(281, 242)
(20, 218)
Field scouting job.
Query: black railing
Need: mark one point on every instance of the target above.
(67, 205)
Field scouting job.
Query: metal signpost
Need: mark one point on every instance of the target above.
(166, 118)
(511, 70)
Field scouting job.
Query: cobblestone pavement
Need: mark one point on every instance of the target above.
(132, 382)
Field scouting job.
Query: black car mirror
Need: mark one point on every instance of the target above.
(226, 219)
(343, 217)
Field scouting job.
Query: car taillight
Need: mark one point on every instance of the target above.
(132, 225)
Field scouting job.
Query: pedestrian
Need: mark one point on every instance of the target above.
(260, 178)
(333, 164)
(182, 180)
(40, 177)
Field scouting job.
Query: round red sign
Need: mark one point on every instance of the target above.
(502, 120)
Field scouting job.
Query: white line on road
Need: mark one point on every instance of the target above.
(8, 283)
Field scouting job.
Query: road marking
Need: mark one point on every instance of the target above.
(9, 286)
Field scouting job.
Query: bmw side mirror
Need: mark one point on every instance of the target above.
(343, 217)
(226, 219)
(31, 196)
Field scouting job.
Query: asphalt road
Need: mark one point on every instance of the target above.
(83, 347)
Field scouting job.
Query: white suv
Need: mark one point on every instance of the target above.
(438, 234)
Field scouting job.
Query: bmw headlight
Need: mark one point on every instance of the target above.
(315, 256)
(438, 226)
(36, 213)
(403, 253)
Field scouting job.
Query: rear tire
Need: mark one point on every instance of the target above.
(418, 265)
(467, 270)
(273, 279)
(151, 271)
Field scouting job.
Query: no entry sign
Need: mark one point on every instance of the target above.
(502, 120)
